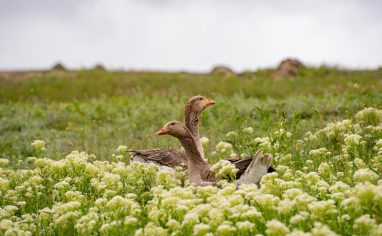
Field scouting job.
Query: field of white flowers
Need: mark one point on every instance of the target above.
(330, 185)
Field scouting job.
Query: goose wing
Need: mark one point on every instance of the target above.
(242, 165)
(256, 170)
(170, 157)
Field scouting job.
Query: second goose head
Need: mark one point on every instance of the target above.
(194, 107)
(198, 103)
(192, 111)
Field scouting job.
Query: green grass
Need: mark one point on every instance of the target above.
(326, 181)
(95, 111)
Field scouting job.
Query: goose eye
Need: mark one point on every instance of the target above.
(200, 99)
(172, 123)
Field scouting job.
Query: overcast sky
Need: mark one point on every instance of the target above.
(189, 34)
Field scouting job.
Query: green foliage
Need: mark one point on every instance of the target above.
(95, 111)
(327, 150)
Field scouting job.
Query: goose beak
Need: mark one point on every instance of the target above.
(210, 102)
(163, 131)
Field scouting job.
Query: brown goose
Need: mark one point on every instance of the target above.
(172, 157)
(199, 170)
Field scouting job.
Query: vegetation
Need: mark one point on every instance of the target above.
(326, 143)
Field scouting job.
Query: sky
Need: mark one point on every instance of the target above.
(191, 35)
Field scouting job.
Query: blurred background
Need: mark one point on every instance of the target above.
(176, 35)
(91, 75)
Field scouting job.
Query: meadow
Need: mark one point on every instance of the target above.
(64, 169)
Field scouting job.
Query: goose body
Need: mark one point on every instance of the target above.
(169, 158)
(199, 170)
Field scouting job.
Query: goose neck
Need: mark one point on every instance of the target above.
(193, 155)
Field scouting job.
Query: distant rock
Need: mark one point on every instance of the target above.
(223, 71)
(59, 67)
(288, 67)
(99, 67)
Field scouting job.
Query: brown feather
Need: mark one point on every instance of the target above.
(170, 157)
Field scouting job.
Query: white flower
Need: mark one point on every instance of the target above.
(365, 175)
(225, 230)
(318, 152)
(173, 225)
(324, 168)
(352, 139)
(379, 143)
(224, 169)
(285, 206)
(121, 149)
(233, 155)
(248, 130)
(359, 163)
(39, 145)
(119, 157)
(245, 226)
(224, 147)
(263, 142)
(4, 162)
(6, 224)
(299, 218)
(243, 155)
(369, 115)
(364, 225)
(339, 187)
(321, 229)
(275, 227)
(190, 219)
(280, 132)
(204, 141)
(231, 134)
(201, 229)
(320, 209)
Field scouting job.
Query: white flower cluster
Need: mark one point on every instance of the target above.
(205, 141)
(225, 149)
(121, 149)
(263, 142)
(248, 130)
(4, 162)
(319, 152)
(38, 145)
(352, 139)
(224, 170)
(231, 134)
(282, 132)
(369, 116)
(328, 183)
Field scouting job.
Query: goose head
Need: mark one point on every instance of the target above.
(176, 129)
(199, 103)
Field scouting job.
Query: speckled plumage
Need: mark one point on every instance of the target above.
(172, 157)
